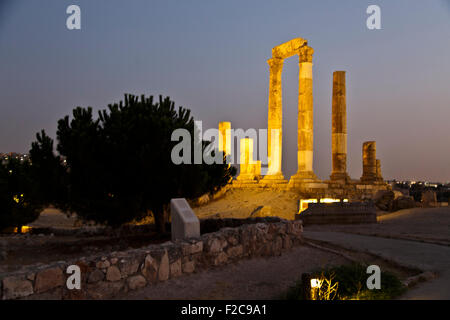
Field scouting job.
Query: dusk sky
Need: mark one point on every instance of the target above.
(210, 56)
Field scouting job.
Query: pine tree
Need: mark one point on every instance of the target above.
(119, 166)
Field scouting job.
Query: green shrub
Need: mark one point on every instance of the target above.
(351, 284)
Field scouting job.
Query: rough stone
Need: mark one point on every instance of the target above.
(103, 264)
(136, 282)
(384, 199)
(429, 198)
(287, 242)
(192, 248)
(188, 267)
(16, 287)
(150, 269)
(164, 271)
(175, 269)
(113, 274)
(105, 290)
(129, 267)
(213, 245)
(403, 202)
(235, 252)
(48, 279)
(96, 276)
(221, 258)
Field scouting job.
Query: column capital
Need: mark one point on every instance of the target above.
(275, 63)
(305, 54)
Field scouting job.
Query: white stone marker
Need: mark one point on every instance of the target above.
(185, 223)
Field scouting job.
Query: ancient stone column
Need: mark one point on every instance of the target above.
(305, 117)
(369, 150)
(275, 116)
(225, 137)
(247, 165)
(379, 175)
(339, 128)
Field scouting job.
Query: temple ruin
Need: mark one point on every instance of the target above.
(340, 185)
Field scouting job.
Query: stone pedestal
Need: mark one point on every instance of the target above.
(339, 129)
(185, 223)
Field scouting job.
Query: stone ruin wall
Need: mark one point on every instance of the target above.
(105, 276)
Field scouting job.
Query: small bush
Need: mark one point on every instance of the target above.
(351, 281)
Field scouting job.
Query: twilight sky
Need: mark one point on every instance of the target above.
(210, 56)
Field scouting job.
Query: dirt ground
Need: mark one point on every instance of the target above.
(261, 278)
(241, 203)
(430, 225)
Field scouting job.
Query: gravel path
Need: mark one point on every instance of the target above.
(430, 225)
(413, 254)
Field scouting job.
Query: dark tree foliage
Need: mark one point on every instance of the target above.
(49, 172)
(19, 203)
(119, 166)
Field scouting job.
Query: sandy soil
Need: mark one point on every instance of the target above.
(241, 203)
(52, 217)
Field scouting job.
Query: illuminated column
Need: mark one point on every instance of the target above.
(225, 137)
(339, 128)
(369, 162)
(305, 139)
(247, 164)
(379, 175)
(274, 125)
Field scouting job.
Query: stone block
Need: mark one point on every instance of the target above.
(213, 245)
(220, 259)
(16, 287)
(96, 276)
(188, 267)
(136, 282)
(105, 290)
(113, 274)
(175, 269)
(103, 264)
(193, 247)
(129, 267)
(48, 279)
(164, 271)
(185, 223)
(150, 269)
(235, 252)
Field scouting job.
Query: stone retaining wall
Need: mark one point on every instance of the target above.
(103, 277)
(339, 213)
